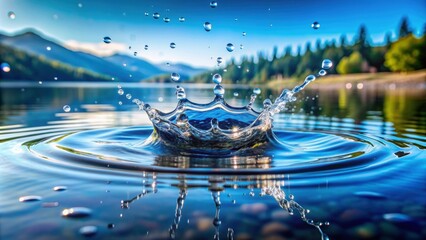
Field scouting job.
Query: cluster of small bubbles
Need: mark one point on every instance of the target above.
(219, 60)
(315, 25)
(156, 15)
(207, 26)
(181, 19)
(175, 77)
(107, 40)
(326, 64)
(48, 48)
(310, 78)
(146, 14)
(66, 108)
(257, 91)
(129, 96)
(230, 47)
(217, 78)
(236, 94)
(120, 91)
(322, 72)
(146, 47)
(166, 19)
(172, 45)
(11, 15)
(5, 67)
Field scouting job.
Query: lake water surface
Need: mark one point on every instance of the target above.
(357, 162)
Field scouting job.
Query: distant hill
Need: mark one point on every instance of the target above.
(38, 48)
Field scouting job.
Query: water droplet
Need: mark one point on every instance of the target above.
(76, 212)
(322, 72)
(326, 64)
(146, 47)
(175, 76)
(135, 54)
(230, 47)
(55, 78)
(107, 40)
(48, 48)
(80, 5)
(50, 204)
(217, 78)
(11, 15)
(234, 201)
(160, 99)
(120, 91)
(110, 225)
(244, 34)
(60, 188)
(241, 46)
(315, 25)
(257, 91)
(5, 67)
(66, 108)
(251, 194)
(207, 26)
(219, 90)
(172, 45)
(88, 231)
(31, 198)
(219, 60)
(120, 103)
(156, 15)
(166, 19)
(310, 78)
(129, 96)
(236, 94)
(213, 4)
(291, 197)
(146, 14)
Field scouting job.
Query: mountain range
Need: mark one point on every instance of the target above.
(35, 47)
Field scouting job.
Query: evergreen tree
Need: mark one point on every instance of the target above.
(404, 29)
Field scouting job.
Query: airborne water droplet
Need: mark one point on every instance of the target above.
(241, 46)
(172, 45)
(120, 91)
(5, 67)
(244, 34)
(88, 231)
(146, 47)
(310, 78)
(146, 14)
(236, 94)
(76, 212)
(326, 63)
(315, 25)
(48, 48)
(175, 76)
(135, 54)
(166, 19)
(60, 188)
(213, 4)
(230, 47)
(11, 15)
(219, 90)
(219, 60)
(181, 19)
(207, 26)
(156, 15)
(107, 40)
(257, 91)
(217, 78)
(31, 198)
(66, 108)
(322, 72)
(129, 96)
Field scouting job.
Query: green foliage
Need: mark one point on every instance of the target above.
(351, 64)
(407, 54)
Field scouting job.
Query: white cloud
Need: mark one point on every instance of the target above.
(99, 49)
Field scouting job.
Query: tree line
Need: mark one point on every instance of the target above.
(406, 53)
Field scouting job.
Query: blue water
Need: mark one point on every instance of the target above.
(355, 158)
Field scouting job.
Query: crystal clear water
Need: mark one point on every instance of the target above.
(351, 157)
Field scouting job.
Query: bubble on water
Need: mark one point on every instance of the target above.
(80, 5)
(88, 231)
(207, 26)
(145, 47)
(146, 14)
(48, 48)
(236, 94)
(30, 198)
(310, 78)
(11, 15)
(5, 67)
(181, 19)
(107, 40)
(219, 60)
(217, 78)
(156, 15)
(60, 188)
(129, 96)
(241, 46)
(244, 34)
(326, 64)
(230, 47)
(175, 77)
(172, 45)
(66, 108)
(166, 19)
(219, 90)
(135, 54)
(213, 4)
(120, 91)
(322, 72)
(76, 212)
(257, 91)
(315, 25)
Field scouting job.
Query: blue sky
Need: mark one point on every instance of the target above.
(84, 23)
